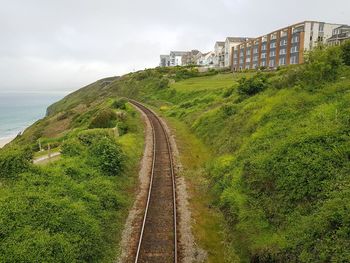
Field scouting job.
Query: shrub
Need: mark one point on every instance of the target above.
(163, 83)
(119, 104)
(89, 136)
(322, 65)
(253, 85)
(14, 161)
(72, 148)
(122, 128)
(107, 155)
(228, 109)
(184, 73)
(227, 92)
(104, 119)
(346, 53)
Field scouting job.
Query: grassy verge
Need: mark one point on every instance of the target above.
(209, 228)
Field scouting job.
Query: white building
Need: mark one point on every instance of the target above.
(231, 42)
(176, 58)
(219, 59)
(164, 61)
(206, 59)
(317, 32)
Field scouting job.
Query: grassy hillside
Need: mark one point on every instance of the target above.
(72, 209)
(271, 151)
(281, 146)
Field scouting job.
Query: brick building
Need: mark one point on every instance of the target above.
(281, 47)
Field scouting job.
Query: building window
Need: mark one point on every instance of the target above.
(282, 61)
(248, 52)
(321, 27)
(295, 39)
(298, 29)
(272, 63)
(263, 55)
(255, 51)
(283, 42)
(263, 63)
(272, 53)
(247, 60)
(241, 60)
(255, 58)
(283, 51)
(273, 36)
(273, 45)
(284, 33)
(293, 60)
(294, 49)
(263, 47)
(247, 66)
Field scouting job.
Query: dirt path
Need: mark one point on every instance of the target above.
(45, 158)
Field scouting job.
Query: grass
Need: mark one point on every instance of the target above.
(73, 209)
(218, 81)
(209, 228)
(267, 165)
(46, 152)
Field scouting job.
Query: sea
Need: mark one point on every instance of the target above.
(20, 110)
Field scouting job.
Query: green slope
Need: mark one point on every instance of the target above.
(271, 157)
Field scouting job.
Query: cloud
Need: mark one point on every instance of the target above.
(62, 45)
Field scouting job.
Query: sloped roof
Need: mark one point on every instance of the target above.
(195, 52)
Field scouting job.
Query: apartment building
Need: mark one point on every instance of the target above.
(206, 59)
(340, 34)
(219, 51)
(231, 42)
(164, 61)
(191, 57)
(281, 47)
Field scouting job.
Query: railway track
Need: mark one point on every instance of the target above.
(158, 235)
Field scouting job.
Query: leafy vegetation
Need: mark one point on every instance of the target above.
(104, 119)
(280, 175)
(73, 209)
(278, 169)
(345, 48)
(253, 85)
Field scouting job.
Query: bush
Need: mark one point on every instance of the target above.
(346, 53)
(14, 161)
(72, 148)
(227, 93)
(107, 155)
(122, 128)
(119, 104)
(89, 136)
(104, 119)
(184, 73)
(228, 109)
(253, 85)
(322, 65)
(163, 83)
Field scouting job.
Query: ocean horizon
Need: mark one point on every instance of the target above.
(19, 110)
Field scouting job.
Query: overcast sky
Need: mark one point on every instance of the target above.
(61, 45)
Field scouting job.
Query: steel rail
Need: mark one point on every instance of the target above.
(144, 109)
